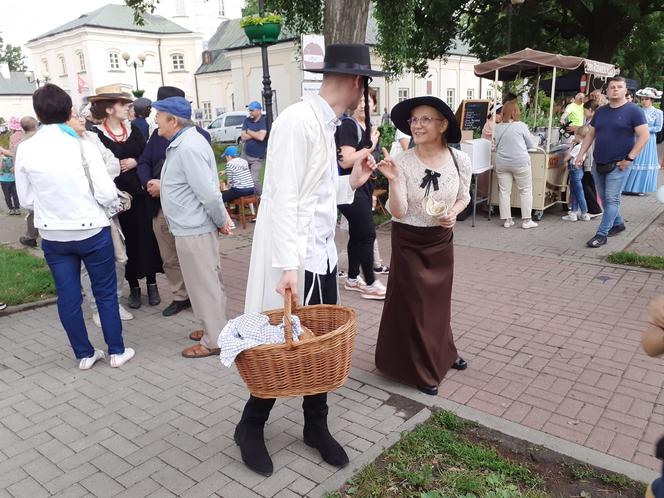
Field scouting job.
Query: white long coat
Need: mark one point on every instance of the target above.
(298, 154)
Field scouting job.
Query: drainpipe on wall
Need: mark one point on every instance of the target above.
(459, 80)
(198, 105)
(161, 68)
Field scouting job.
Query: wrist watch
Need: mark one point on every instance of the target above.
(628, 158)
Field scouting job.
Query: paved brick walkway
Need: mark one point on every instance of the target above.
(552, 338)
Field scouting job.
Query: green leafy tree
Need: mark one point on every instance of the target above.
(641, 57)
(411, 32)
(12, 55)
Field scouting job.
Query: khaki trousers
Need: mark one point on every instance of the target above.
(523, 178)
(169, 256)
(201, 269)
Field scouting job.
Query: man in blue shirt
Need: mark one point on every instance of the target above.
(254, 133)
(619, 131)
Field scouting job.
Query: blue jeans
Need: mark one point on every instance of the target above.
(235, 193)
(609, 187)
(578, 197)
(64, 260)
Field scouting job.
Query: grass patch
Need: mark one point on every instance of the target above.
(584, 473)
(436, 460)
(633, 259)
(24, 278)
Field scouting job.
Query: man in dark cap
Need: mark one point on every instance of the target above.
(149, 173)
(293, 246)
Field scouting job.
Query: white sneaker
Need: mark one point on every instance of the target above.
(117, 360)
(570, 217)
(355, 284)
(86, 363)
(529, 224)
(509, 222)
(96, 320)
(124, 314)
(374, 291)
(585, 217)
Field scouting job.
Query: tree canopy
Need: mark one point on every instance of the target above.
(13, 56)
(411, 32)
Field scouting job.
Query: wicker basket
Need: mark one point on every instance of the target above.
(310, 366)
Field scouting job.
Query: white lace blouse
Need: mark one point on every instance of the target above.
(452, 187)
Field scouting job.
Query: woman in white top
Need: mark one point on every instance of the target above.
(429, 186)
(51, 180)
(513, 139)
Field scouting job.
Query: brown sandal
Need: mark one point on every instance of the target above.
(199, 351)
(196, 335)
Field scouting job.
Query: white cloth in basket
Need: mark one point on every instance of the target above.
(250, 330)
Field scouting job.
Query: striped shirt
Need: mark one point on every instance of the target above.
(238, 174)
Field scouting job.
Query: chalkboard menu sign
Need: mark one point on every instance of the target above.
(472, 114)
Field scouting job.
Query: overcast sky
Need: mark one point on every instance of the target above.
(23, 20)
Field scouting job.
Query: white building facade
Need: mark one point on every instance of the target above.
(80, 57)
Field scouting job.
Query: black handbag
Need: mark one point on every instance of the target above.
(605, 169)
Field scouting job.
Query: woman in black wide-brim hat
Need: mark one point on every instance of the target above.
(429, 186)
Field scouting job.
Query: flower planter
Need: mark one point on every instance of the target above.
(263, 33)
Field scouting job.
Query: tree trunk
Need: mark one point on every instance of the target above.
(607, 30)
(345, 21)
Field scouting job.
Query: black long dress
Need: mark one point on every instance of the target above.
(143, 257)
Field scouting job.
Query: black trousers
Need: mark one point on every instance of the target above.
(11, 197)
(591, 193)
(362, 234)
(322, 289)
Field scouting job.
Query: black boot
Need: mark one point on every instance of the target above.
(316, 433)
(134, 297)
(153, 295)
(249, 435)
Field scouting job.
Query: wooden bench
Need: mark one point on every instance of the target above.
(242, 203)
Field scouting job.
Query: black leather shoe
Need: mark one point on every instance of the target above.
(460, 364)
(153, 295)
(175, 307)
(27, 242)
(616, 229)
(430, 390)
(318, 436)
(253, 449)
(134, 297)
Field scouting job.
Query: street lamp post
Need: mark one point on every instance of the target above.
(141, 63)
(30, 75)
(267, 83)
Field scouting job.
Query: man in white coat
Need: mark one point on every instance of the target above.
(293, 245)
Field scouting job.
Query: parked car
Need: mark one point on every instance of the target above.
(227, 127)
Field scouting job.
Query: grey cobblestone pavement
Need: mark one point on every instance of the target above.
(550, 331)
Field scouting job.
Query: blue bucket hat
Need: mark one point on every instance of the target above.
(231, 150)
(255, 106)
(177, 106)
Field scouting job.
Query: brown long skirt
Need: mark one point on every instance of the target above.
(415, 343)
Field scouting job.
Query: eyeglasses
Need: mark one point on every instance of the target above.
(423, 120)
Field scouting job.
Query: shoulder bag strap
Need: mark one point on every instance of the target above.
(456, 164)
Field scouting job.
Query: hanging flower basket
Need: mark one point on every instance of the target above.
(261, 30)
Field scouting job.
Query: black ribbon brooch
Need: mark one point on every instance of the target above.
(430, 178)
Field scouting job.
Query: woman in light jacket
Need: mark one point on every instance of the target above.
(513, 140)
(51, 180)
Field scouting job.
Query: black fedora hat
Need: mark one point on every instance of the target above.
(401, 114)
(348, 59)
(169, 91)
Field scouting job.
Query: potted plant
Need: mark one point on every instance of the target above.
(262, 29)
